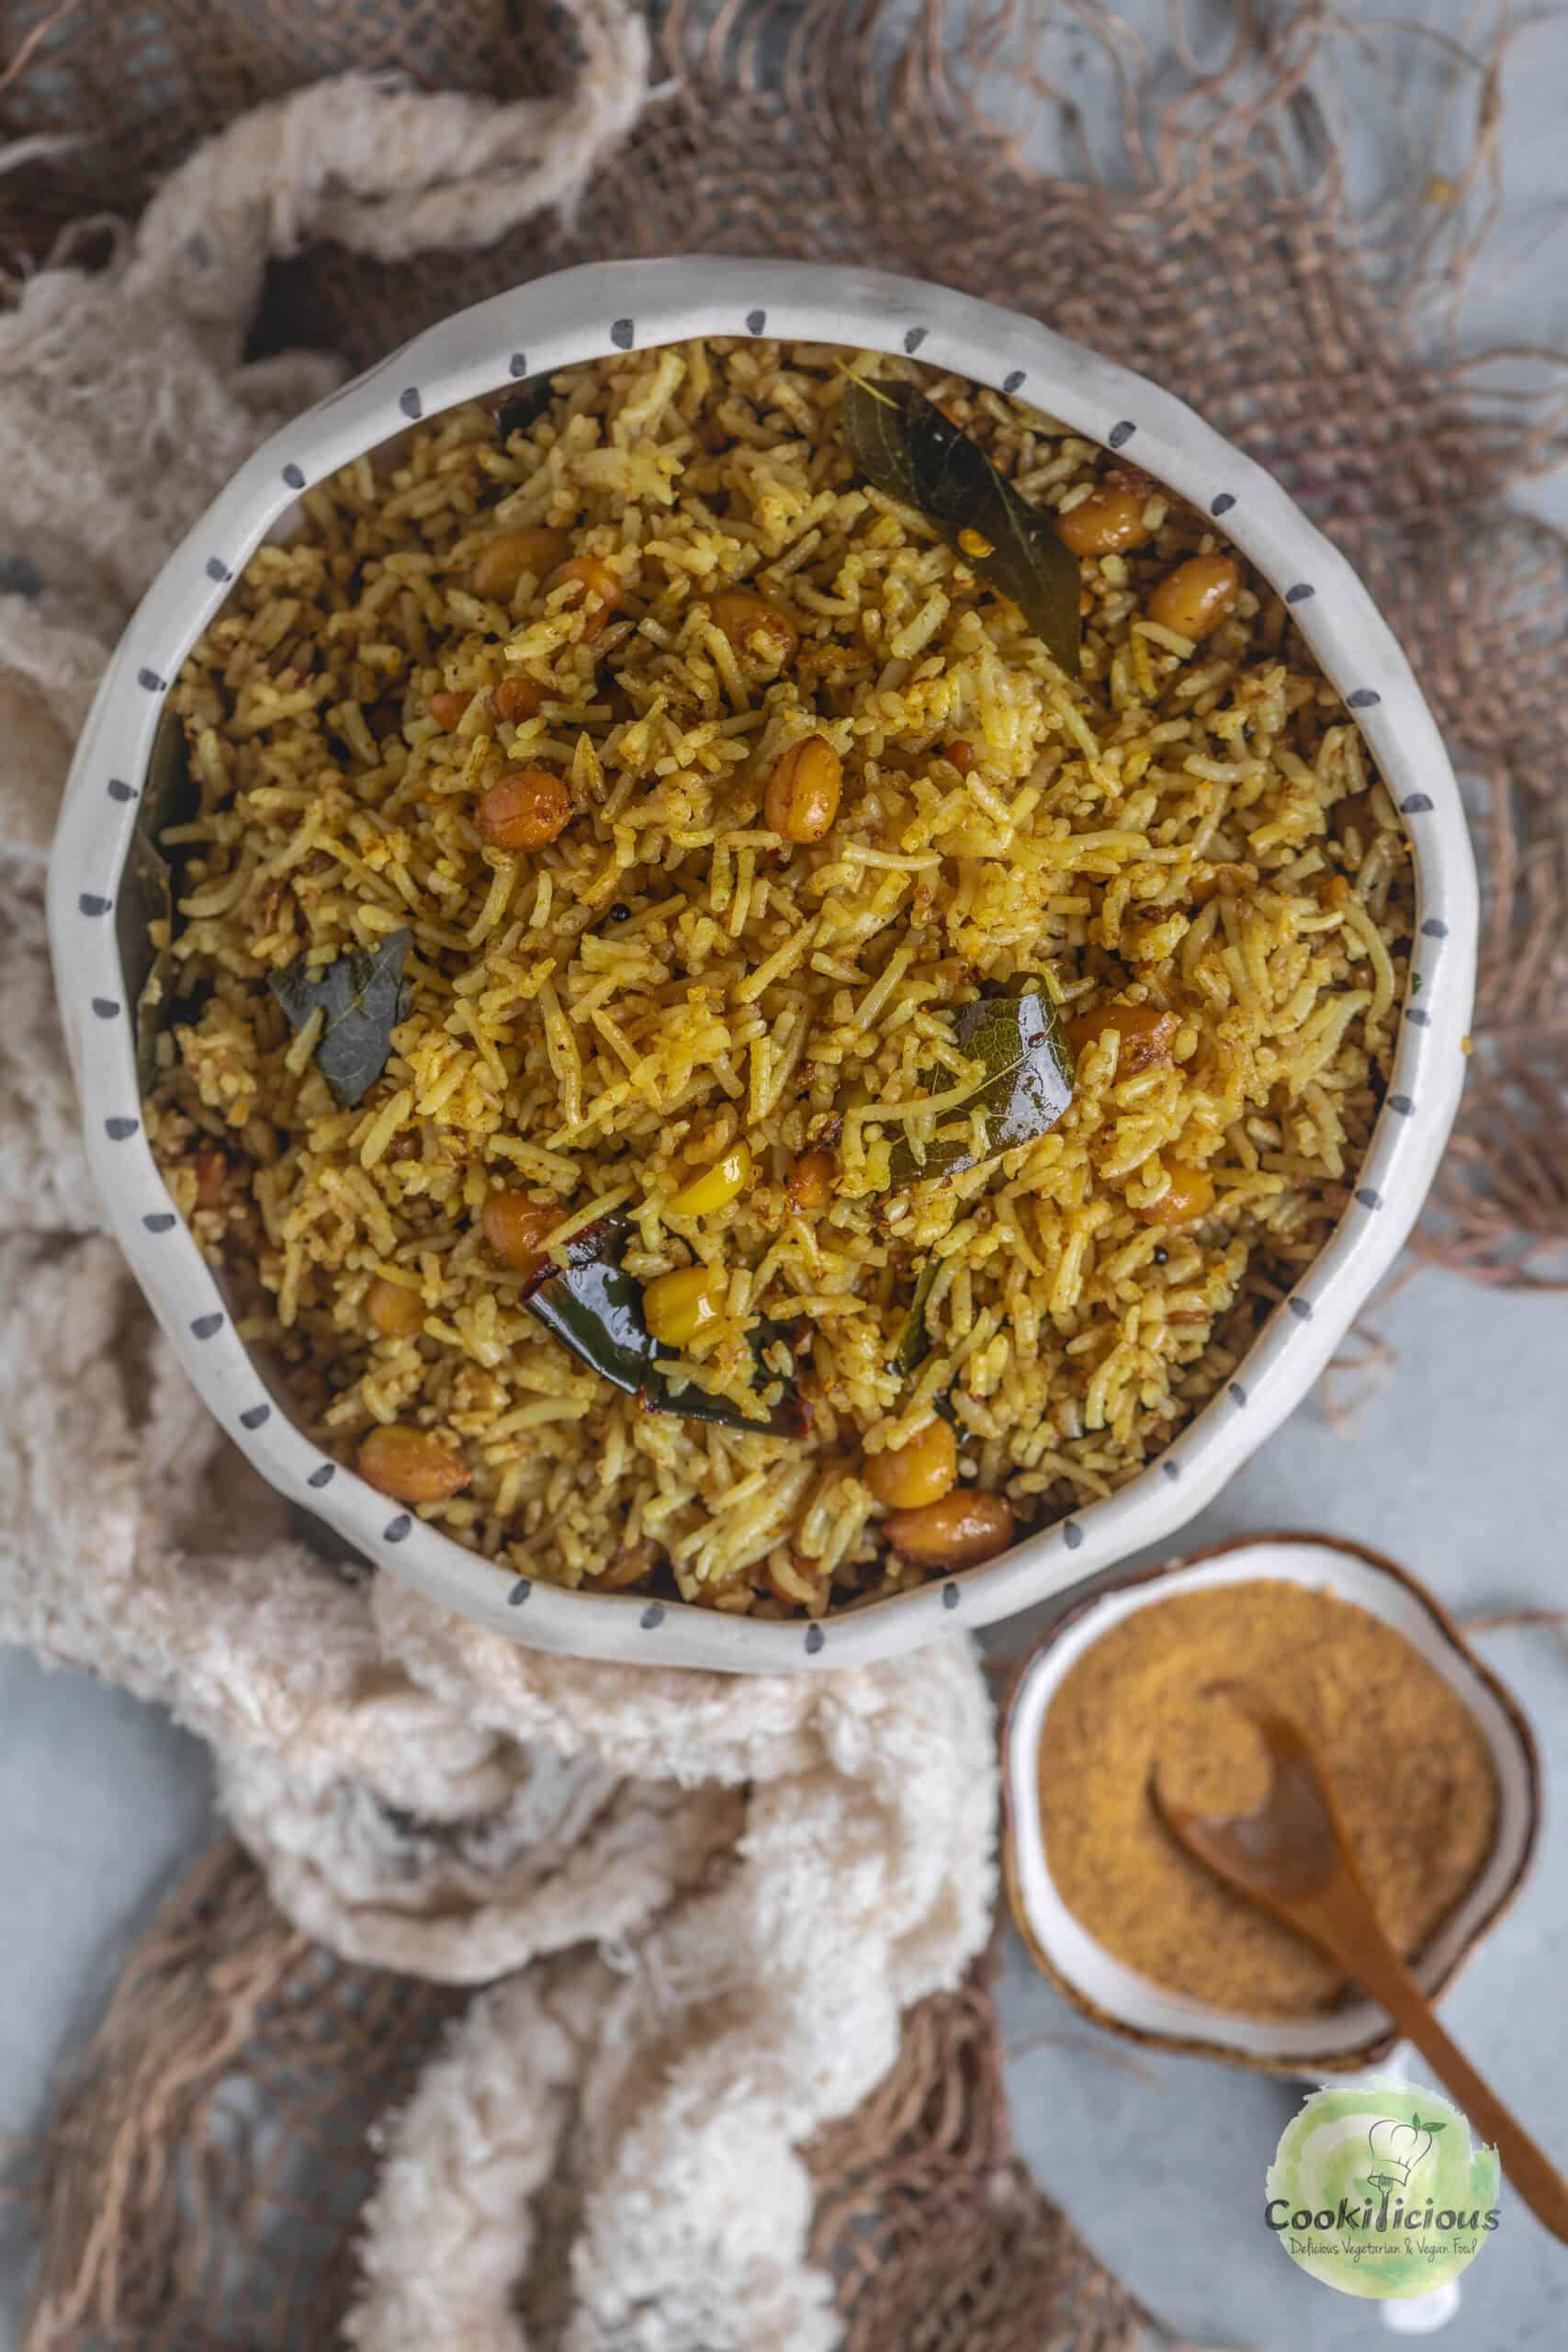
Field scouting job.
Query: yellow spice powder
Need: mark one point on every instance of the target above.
(1409, 1762)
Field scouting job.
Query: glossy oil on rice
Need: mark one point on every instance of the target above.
(1192, 827)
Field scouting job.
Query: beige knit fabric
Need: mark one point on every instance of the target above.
(772, 1870)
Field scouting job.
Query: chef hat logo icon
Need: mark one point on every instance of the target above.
(1400, 2148)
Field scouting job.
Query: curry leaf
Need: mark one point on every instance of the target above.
(146, 893)
(524, 407)
(914, 1339)
(363, 995)
(905, 447)
(594, 1307)
(1027, 1086)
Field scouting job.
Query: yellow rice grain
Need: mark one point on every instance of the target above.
(593, 1022)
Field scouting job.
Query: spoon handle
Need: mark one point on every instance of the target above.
(1359, 1944)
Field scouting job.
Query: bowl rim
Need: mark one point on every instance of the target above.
(591, 312)
(1379, 2046)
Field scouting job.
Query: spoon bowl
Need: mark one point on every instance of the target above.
(1287, 1851)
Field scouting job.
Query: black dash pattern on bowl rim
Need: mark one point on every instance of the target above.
(1299, 592)
(518, 363)
(518, 1593)
(105, 1008)
(322, 1475)
(1237, 1393)
(91, 904)
(254, 1415)
(1072, 1534)
(1223, 504)
(150, 680)
(1369, 1196)
(121, 1130)
(622, 333)
(1120, 434)
(950, 1596)
(913, 338)
(293, 475)
(160, 1220)
(1403, 1105)
(1014, 383)
(755, 322)
(1300, 1308)
(118, 788)
(1434, 928)
(206, 1326)
(652, 1616)
(815, 1640)
(411, 404)
(1364, 698)
(397, 1529)
(1415, 804)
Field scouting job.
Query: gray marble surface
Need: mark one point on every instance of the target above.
(1459, 1468)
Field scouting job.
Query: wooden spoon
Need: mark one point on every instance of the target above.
(1293, 1856)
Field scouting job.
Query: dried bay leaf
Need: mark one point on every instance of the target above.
(1027, 1086)
(914, 1339)
(905, 447)
(364, 997)
(595, 1309)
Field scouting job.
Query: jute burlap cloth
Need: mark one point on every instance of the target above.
(202, 2188)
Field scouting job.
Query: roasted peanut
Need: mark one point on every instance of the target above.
(804, 790)
(799, 1581)
(394, 1309)
(961, 752)
(601, 591)
(526, 809)
(959, 1531)
(411, 1465)
(1196, 597)
(501, 564)
(758, 630)
(518, 697)
(211, 1178)
(628, 1566)
(447, 708)
(1108, 522)
(909, 1477)
(1355, 815)
(517, 1227)
(810, 1184)
(1147, 1035)
(1190, 1193)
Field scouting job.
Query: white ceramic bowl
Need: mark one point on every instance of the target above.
(1105, 1988)
(618, 306)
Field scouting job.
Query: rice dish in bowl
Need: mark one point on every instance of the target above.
(653, 911)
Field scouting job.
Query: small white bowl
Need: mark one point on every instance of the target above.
(1356, 2034)
(619, 306)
